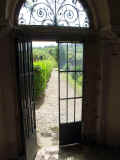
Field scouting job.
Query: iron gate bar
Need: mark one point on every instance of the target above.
(71, 98)
(69, 131)
(75, 86)
(33, 92)
(22, 77)
(26, 79)
(67, 88)
(19, 92)
(26, 86)
(24, 90)
(71, 71)
(25, 95)
(29, 77)
(59, 83)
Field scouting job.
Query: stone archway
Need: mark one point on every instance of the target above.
(101, 17)
(102, 24)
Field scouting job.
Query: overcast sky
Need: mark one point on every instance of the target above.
(43, 43)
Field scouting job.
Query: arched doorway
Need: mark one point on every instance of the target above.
(66, 22)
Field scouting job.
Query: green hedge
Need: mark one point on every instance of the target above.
(42, 73)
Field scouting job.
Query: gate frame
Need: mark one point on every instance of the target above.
(46, 33)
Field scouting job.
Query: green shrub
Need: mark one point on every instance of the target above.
(80, 80)
(43, 53)
(42, 73)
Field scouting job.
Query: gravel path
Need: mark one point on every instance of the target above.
(47, 112)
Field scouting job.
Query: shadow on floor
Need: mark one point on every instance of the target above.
(88, 153)
(78, 153)
(39, 101)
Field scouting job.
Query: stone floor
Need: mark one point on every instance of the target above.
(83, 152)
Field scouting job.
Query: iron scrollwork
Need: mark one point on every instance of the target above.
(53, 12)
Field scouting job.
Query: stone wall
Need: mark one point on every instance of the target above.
(9, 115)
(101, 107)
(111, 93)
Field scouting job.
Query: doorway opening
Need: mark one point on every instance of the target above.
(58, 87)
(45, 64)
(68, 23)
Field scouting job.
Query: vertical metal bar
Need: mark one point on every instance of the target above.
(59, 82)
(26, 85)
(67, 89)
(55, 14)
(30, 90)
(75, 86)
(83, 78)
(20, 98)
(29, 70)
(33, 98)
(23, 88)
(28, 78)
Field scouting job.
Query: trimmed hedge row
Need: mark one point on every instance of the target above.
(42, 73)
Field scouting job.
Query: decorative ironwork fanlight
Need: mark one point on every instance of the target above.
(53, 13)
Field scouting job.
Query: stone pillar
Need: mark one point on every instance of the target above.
(102, 87)
(91, 80)
(107, 128)
(98, 109)
(111, 93)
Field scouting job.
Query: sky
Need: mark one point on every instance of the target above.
(43, 43)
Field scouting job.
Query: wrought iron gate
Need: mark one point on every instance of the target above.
(70, 103)
(26, 95)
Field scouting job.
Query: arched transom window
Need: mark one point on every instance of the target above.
(69, 13)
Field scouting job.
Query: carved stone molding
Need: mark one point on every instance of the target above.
(108, 35)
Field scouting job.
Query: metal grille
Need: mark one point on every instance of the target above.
(53, 13)
(70, 101)
(25, 84)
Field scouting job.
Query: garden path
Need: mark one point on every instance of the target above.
(47, 112)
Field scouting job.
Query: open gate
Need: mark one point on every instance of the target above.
(26, 95)
(70, 103)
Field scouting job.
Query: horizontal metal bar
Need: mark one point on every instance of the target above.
(71, 98)
(25, 74)
(70, 71)
(66, 123)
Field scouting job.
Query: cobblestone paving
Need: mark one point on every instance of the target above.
(47, 114)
